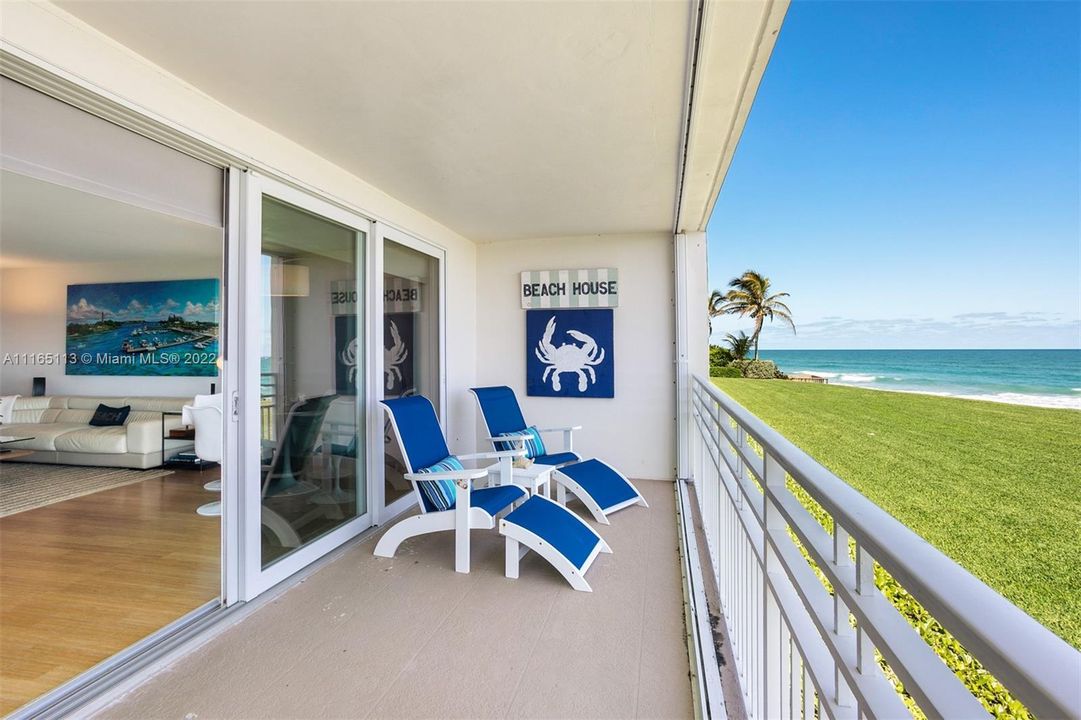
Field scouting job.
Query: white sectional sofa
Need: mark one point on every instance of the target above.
(62, 434)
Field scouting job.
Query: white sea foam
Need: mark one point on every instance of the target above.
(819, 373)
(1048, 401)
(1069, 402)
(1063, 402)
(841, 377)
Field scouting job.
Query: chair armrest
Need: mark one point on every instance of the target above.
(494, 455)
(511, 438)
(560, 429)
(455, 475)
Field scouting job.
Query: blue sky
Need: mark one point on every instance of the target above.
(156, 300)
(910, 174)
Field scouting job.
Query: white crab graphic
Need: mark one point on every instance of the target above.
(568, 357)
(394, 356)
(349, 359)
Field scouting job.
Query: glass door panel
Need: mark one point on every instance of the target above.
(411, 346)
(312, 378)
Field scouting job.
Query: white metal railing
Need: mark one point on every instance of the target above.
(801, 651)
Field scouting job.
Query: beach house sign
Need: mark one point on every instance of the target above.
(591, 288)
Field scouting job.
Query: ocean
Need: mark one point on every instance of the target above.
(1044, 378)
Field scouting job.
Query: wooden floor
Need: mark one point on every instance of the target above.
(82, 579)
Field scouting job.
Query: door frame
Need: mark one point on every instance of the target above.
(254, 579)
(100, 101)
(384, 232)
(229, 354)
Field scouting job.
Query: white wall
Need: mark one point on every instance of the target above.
(33, 303)
(73, 49)
(635, 431)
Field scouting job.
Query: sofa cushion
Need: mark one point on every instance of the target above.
(80, 402)
(40, 402)
(44, 435)
(31, 410)
(158, 404)
(113, 439)
(81, 417)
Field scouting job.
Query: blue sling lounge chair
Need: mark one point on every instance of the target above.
(600, 487)
(441, 482)
(285, 484)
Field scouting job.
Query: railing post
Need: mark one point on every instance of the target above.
(773, 639)
(842, 626)
(865, 585)
(741, 470)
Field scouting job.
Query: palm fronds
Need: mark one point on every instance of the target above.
(749, 296)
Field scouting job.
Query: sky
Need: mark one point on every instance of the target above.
(910, 172)
(157, 300)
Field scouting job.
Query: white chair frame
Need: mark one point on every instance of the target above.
(462, 518)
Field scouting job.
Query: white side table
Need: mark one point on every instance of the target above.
(535, 478)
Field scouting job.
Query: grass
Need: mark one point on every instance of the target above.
(995, 487)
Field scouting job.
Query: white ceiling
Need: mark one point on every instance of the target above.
(42, 223)
(500, 119)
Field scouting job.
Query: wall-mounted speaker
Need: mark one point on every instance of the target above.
(39, 387)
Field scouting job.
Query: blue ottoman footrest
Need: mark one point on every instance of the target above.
(600, 487)
(556, 534)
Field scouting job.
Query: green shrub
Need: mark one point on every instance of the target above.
(719, 356)
(725, 371)
(758, 369)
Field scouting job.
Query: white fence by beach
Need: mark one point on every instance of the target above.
(801, 651)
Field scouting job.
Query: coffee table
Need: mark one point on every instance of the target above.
(13, 453)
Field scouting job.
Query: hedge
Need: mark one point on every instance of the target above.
(758, 369)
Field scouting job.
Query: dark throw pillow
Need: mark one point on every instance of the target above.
(106, 416)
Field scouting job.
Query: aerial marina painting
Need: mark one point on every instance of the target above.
(161, 327)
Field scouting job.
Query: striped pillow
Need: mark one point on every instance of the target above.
(534, 446)
(439, 494)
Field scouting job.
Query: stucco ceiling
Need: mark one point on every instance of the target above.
(43, 223)
(501, 120)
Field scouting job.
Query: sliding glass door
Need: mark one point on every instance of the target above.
(306, 381)
(411, 358)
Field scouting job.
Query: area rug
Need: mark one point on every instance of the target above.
(26, 486)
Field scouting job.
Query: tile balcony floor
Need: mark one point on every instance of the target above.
(409, 637)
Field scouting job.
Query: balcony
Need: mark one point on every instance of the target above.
(408, 637)
(805, 630)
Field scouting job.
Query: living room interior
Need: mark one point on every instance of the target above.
(111, 254)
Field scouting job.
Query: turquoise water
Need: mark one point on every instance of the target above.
(101, 354)
(1048, 378)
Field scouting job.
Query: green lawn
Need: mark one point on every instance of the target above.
(996, 487)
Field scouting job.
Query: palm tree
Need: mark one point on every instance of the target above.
(716, 300)
(740, 344)
(749, 296)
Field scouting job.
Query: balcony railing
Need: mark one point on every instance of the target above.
(803, 651)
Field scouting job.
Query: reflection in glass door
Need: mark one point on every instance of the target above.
(311, 389)
(411, 345)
